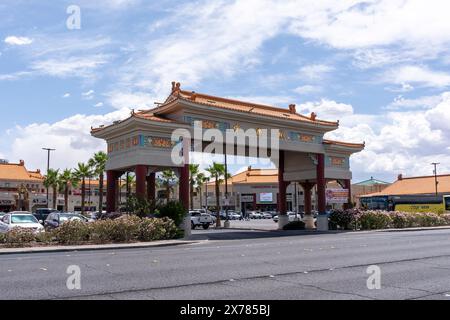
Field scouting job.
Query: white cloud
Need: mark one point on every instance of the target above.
(98, 105)
(327, 109)
(70, 137)
(416, 103)
(132, 100)
(315, 71)
(66, 95)
(419, 75)
(83, 67)
(88, 95)
(307, 89)
(18, 41)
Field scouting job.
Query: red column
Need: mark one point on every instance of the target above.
(282, 186)
(141, 176)
(111, 189)
(307, 187)
(348, 186)
(184, 186)
(321, 184)
(151, 189)
(254, 202)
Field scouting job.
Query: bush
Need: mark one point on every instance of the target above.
(173, 210)
(345, 219)
(72, 232)
(372, 220)
(123, 229)
(295, 225)
(151, 229)
(18, 237)
(137, 206)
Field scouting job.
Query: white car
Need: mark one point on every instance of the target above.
(292, 217)
(20, 219)
(201, 219)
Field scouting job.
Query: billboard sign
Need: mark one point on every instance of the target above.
(337, 196)
(266, 197)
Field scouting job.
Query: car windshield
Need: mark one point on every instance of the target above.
(18, 219)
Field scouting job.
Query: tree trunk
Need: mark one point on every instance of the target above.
(66, 198)
(191, 195)
(100, 195)
(83, 191)
(200, 195)
(218, 224)
(55, 196)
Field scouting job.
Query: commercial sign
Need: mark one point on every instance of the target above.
(247, 198)
(266, 197)
(337, 196)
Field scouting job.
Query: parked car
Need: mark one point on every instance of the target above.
(41, 214)
(20, 219)
(292, 217)
(55, 219)
(200, 219)
(234, 215)
(267, 215)
(255, 215)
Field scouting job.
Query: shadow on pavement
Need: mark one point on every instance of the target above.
(224, 234)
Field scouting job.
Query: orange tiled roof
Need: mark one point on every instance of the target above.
(253, 176)
(147, 115)
(344, 144)
(416, 185)
(249, 107)
(18, 172)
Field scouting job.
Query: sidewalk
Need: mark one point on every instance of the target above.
(89, 247)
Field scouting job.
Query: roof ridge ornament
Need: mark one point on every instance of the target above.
(292, 109)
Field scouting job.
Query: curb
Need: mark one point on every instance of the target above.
(139, 245)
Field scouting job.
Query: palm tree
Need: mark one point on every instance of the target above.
(193, 174)
(217, 171)
(167, 179)
(66, 180)
(51, 180)
(200, 182)
(130, 183)
(98, 164)
(82, 172)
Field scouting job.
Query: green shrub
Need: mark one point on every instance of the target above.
(72, 232)
(19, 237)
(45, 237)
(294, 225)
(344, 219)
(137, 206)
(173, 210)
(152, 229)
(372, 220)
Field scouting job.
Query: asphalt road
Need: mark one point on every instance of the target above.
(244, 265)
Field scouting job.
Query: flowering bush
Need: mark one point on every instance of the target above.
(345, 219)
(372, 219)
(157, 229)
(18, 237)
(72, 232)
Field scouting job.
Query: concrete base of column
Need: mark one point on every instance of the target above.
(282, 221)
(309, 222)
(322, 223)
(186, 226)
(226, 224)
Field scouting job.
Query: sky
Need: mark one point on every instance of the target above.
(382, 67)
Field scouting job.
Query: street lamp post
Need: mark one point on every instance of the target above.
(48, 166)
(435, 164)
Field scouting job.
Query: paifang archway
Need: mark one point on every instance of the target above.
(142, 143)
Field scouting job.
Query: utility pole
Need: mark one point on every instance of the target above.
(435, 164)
(226, 187)
(48, 166)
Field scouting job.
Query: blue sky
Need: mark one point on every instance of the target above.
(381, 67)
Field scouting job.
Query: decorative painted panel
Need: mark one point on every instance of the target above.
(208, 124)
(340, 162)
(303, 137)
